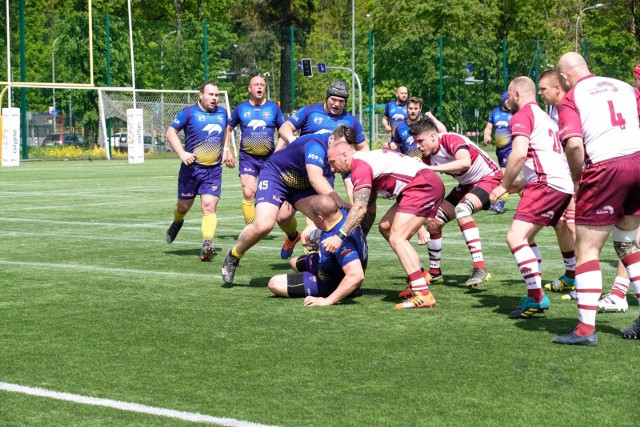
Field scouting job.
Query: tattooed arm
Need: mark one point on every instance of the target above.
(357, 214)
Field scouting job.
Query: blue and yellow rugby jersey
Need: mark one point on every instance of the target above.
(353, 247)
(405, 143)
(397, 113)
(258, 124)
(500, 120)
(203, 133)
(315, 119)
(290, 162)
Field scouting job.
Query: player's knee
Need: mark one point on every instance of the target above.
(464, 209)
(624, 241)
(384, 228)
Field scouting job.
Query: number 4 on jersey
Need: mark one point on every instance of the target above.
(616, 118)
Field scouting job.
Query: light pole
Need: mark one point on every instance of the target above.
(580, 16)
(53, 80)
(267, 74)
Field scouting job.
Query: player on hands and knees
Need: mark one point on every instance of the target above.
(325, 278)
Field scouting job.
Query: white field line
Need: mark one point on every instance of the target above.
(127, 406)
(97, 269)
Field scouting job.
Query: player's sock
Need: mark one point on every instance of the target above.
(632, 264)
(569, 259)
(236, 254)
(504, 197)
(418, 282)
(588, 289)
(177, 216)
(209, 224)
(528, 265)
(471, 236)
(536, 251)
(620, 287)
(248, 210)
(291, 229)
(435, 249)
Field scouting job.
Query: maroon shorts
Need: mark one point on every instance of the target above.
(422, 196)
(541, 204)
(608, 191)
(482, 189)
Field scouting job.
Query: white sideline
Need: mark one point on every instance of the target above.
(127, 406)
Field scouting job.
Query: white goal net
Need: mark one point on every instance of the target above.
(159, 108)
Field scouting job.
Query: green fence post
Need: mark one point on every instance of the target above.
(23, 91)
(440, 85)
(293, 66)
(371, 75)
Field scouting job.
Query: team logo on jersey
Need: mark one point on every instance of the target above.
(409, 140)
(201, 118)
(397, 117)
(266, 115)
(345, 252)
(548, 214)
(247, 114)
(502, 124)
(605, 210)
(211, 128)
(318, 120)
(255, 124)
(321, 131)
(220, 119)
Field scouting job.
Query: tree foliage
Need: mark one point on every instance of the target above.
(416, 43)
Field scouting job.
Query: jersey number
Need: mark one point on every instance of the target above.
(263, 185)
(616, 118)
(557, 146)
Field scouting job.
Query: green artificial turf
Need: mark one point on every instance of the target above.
(94, 302)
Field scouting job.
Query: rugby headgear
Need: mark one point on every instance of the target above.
(338, 88)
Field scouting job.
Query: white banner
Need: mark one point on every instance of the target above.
(10, 137)
(135, 135)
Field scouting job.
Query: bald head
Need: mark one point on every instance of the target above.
(324, 206)
(522, 90)
(256, 89)
(402, 94)
(571, 68)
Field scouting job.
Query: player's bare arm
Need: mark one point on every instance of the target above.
(174, 140)
(354, 218)
(286, 132)
(322, 185)
(227, 155)
(461, 164)
(574, 149)
(370, 216)
(516, 161)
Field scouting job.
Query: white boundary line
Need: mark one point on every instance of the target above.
(127, 406)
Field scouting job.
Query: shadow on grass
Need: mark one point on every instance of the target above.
(561, 325)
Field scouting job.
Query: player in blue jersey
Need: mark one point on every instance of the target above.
(258, 119)
(292, 174)
(498, 123)
(324, 278)
(325, 118)
(401, 140)
(204, 125)
(318, 119)
(395, 112)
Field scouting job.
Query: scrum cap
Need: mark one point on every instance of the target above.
(338, 88)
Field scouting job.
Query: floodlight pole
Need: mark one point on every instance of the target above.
(595, 6)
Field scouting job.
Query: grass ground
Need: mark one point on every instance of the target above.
(95, 303)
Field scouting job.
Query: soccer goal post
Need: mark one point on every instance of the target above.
(159, 109)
